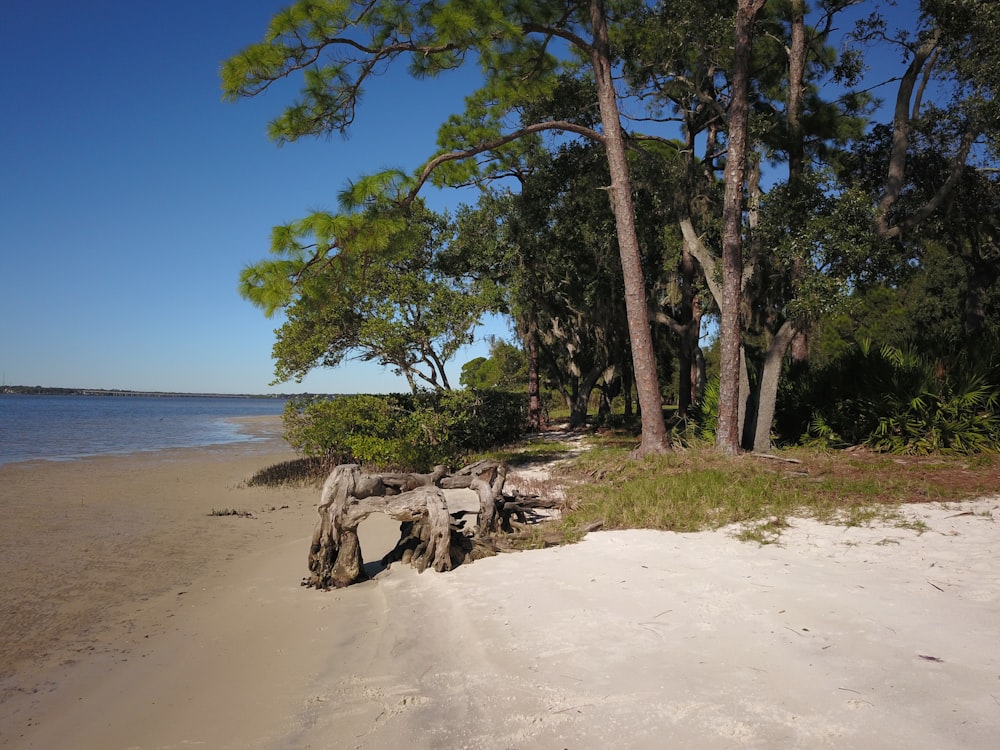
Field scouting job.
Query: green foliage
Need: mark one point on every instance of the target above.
(365, 284)
(901, 401)
(705, 413)
(408, 431)
(699, 490)
(506, 368)
(347, 288)
(969, 60)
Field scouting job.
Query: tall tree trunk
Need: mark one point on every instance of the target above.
(535, 418)
(746, 408)
(760, 405)
(581, 404)
(654, 431)
(689, 335)
(796, 140)
(796, 82)
(727, 433)
(768, 390)
(690, 312)
(982, 276)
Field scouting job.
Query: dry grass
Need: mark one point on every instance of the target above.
(699, 489)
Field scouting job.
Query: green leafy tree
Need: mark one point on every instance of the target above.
(384, 301)
(949, 87)
(337, 47)
(965, 223)
(564, 229)
(676, 57)
(686, 66)
(506, 368)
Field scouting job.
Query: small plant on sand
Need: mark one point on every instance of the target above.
(763, 532)
(297, 472)
(233, 512)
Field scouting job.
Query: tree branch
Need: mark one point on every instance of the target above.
(701, 253)
(896, 174)
(540, 127)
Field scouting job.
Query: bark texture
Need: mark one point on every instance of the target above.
(647, 383)
(727, 434)
(430, 534)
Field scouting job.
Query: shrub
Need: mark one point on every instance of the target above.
(901, 401)
(704, 415)
(406, 431)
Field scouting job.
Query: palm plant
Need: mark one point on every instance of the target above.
(900, 400)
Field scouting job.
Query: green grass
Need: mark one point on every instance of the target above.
(698, 489)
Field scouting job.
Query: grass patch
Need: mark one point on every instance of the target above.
(698, 489)
(299, 472)
(763, 532)
(695, 488)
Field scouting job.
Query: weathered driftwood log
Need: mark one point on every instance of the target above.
(486, 478)
(429, 534)
(349, 496)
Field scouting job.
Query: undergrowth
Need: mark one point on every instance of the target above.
(695, 488)
(698, 489)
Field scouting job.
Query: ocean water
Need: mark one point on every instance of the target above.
(75, 426)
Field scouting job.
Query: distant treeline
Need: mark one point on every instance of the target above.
(38, 390)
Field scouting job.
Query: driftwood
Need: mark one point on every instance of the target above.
(430, 536)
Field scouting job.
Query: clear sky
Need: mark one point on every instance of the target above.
(131, 195)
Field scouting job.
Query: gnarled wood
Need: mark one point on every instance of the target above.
(429, 534)
(349, 496)
(487, 479)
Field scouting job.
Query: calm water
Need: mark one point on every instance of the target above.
(67, 427)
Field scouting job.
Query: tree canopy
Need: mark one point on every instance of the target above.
(660, 163)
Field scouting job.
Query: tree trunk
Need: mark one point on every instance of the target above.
(746, 406)
(727, 434)
(535, 417)
(654, 431)
(581, 404)
(691, 326)
(796, 83)
(768, 388)
(698, 359)
(701, 375)
(796, 144)
(982, 276)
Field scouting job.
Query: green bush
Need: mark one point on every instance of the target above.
(406, 431)
(900, 401)
(704, 415)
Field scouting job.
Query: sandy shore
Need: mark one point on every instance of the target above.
(133, 619)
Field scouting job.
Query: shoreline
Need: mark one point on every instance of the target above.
(204, 430)
(85, 542)
(179, 628)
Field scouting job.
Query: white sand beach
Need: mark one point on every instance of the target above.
(133, 619)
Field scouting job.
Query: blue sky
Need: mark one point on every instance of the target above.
(131, 195)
